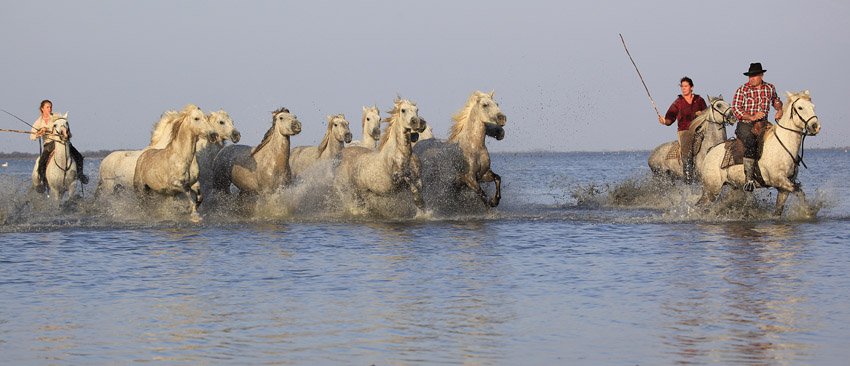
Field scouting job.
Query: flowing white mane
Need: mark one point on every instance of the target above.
(461, 118)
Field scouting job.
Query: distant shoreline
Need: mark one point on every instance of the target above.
(100, 154)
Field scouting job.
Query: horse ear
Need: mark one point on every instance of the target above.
(720, 97)
(788, 93)
(364, 109)
(492, 93)
(66, 113)
(807, 91)
(329, 117)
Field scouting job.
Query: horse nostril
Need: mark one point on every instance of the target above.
(235, 136)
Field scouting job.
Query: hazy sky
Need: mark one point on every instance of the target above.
(558, 67)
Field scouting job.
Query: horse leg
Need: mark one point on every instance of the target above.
(193, 214)
(415, 189)
(781, 196)
(493, 177)
(470, 182)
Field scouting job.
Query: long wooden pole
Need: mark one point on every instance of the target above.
(639, 75)
(19, 131)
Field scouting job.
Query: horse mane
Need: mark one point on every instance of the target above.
(163, 128)
(394, 113)
(461, 118)
(367, 110)
(324, 144)
(169, 124)
(268, 136)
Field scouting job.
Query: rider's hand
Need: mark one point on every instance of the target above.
(778, 114)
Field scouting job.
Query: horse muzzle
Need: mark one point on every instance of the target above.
(296, 127)
(235, 136)
(376, 133)
(212, 137)
(417, 123)
(347, 137)
(814, 127)
(501, 119)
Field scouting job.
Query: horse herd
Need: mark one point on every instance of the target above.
(187, 156)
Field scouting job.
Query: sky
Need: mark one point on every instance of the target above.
(558, 68)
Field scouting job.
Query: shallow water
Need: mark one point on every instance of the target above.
(586, 261)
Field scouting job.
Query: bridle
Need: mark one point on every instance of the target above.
(805, 132)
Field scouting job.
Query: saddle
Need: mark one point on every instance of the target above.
(735, 155)
(676, 151)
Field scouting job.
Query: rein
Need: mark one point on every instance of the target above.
(805, 132)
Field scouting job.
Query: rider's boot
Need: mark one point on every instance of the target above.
(749, 166)
(688, 169)
(41, 184)
(78, 159)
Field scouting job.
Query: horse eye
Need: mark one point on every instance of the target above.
(221, 122)
(368, 119)
(403, 111)
(799, 108)
(197, 119)
(485, 105)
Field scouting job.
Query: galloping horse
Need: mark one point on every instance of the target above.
(260, 170)
(363, 172)
(336, 136)
(709, 130)
(780, 157)
(61, 170)
(200, 173)
(371, 128)
(464, 159)
(166, 171)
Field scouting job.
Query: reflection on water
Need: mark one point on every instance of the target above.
(742, 301)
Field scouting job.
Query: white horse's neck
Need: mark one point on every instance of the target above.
(398, 146)
(473, 133)
(273, 159)
(368, 141)
(182, 148)
(785, 144)
(332, 148)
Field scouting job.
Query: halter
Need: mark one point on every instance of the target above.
(805, 132)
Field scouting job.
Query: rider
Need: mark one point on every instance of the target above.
(751, 104)
(684, 109)
(39, 129)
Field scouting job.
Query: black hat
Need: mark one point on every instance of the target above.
(755, 69)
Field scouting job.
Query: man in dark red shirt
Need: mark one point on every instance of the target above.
(684, 109)
(751, 104)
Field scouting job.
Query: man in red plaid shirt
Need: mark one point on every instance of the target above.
(751, 105)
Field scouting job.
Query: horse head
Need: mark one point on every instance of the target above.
(194, 118)
(223, 126)
(338, 128)
(372, 122)
(801, 111)
(721, 112)
(487, 109)
(286, 123)
(60, 126)
(406, 114)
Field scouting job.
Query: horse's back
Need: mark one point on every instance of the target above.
(301, 158)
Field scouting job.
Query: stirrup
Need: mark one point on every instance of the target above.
(749, 186)
(84, 179)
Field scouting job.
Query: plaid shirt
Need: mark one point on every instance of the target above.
(750, 100)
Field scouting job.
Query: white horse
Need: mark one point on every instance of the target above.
(200, 175)
(386, 171)
(167, 171)
(61, 172)
(371, 128)
(709, 130)
(260, 170)
(780, 156)
(464, 160)
(338, 133)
